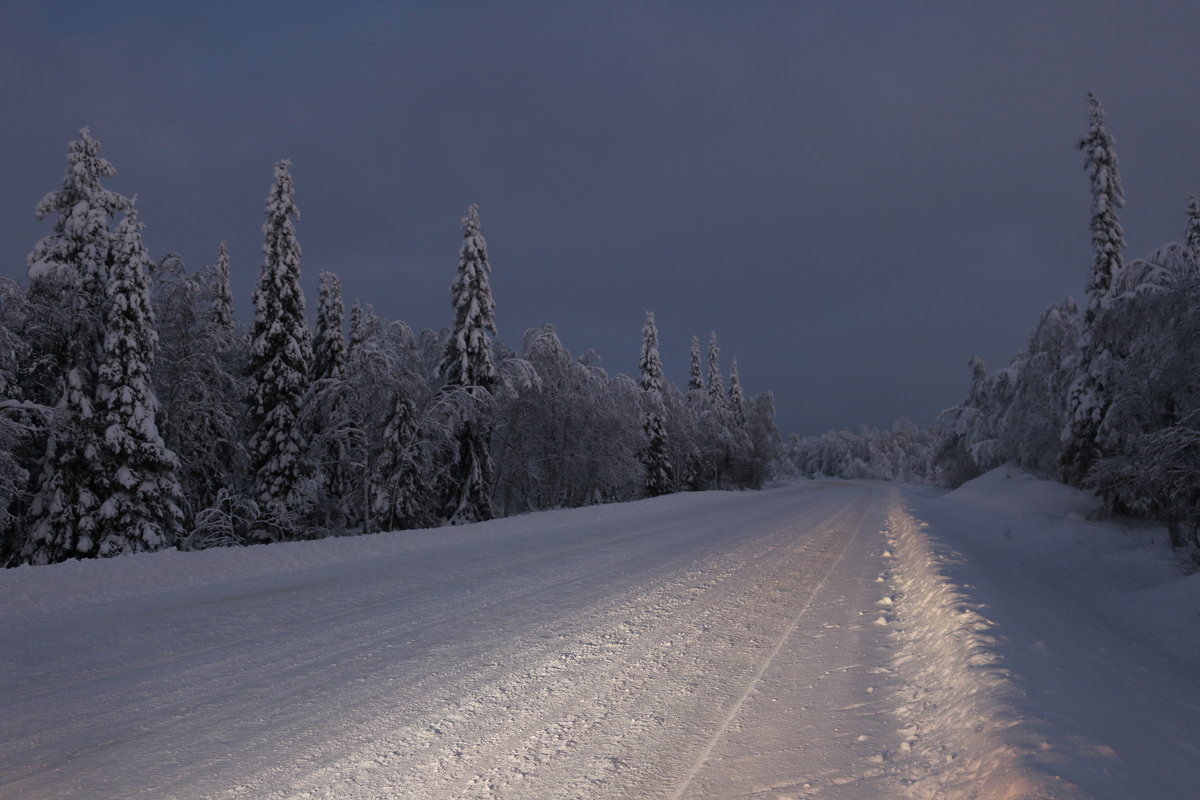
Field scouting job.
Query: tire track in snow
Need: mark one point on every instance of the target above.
(704, 754)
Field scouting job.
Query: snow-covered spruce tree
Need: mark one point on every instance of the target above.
(737, 398)
(220, 291)
(654, 457)
(716, 384)
(1088, 398)
(467, 365)
(279, 369)
(717, 438)
(398, 492)
(358, 327)
(695, 391)
(684, 424)
(69, 272)
(1108, 238)
(140, 507)
(328, 416)
(329, 349)
(650, 367)
(744, 471)
(467, 359)
(683, 435)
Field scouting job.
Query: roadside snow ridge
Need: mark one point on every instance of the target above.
(957, 701)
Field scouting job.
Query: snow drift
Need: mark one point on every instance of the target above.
(1044, 654)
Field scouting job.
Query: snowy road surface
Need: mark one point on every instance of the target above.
(705, 646)
(786, 644)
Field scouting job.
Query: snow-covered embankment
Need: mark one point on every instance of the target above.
(958, 703)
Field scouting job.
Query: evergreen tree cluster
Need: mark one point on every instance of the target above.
(1107, 399)
(137, 414)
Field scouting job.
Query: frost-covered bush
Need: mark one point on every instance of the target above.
(568, 438)
(230, 521)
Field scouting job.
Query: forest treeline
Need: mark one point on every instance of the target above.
(1106, 398)
(137, 414)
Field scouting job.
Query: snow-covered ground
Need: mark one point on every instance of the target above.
(1084, 642)
(826, 639)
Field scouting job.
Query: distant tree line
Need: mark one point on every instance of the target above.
(1107, 399)
(137, 414)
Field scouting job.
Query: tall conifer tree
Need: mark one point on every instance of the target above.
(737, 398)
(329, 350)
(467, 364)
(468, 356)
(280, 358)
(716, 384)
(330, 419)
(654, 457)
(221, 295)
(140, 509)
(695, 375)
(358, 328)
(1108, 238)
(397, 490)
(1090, 395)
(69, 272)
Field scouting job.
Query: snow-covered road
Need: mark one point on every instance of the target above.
(717, 645)
(823, 640)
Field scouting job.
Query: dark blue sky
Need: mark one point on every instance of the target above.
(856, 197)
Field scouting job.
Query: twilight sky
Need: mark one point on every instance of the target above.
(855, 196)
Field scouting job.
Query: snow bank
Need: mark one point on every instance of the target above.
(1039, 642)
(958, 710)
(1116, 569)
(1010, 489)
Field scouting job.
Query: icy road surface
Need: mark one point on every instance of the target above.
(802, 642)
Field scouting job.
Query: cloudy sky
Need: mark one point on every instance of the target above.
(855, 196)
